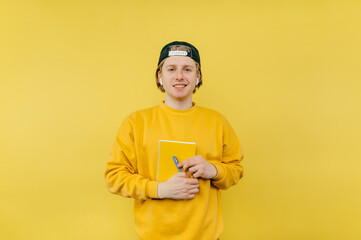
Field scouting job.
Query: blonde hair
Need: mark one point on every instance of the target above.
(159, 68)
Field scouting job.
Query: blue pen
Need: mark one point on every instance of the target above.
(175, 159)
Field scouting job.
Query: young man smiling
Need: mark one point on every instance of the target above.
(179, 74)
(181, 207)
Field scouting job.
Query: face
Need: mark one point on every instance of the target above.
(179, 76)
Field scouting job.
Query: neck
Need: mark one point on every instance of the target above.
(179, 104)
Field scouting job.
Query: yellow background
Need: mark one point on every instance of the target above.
(286, 74)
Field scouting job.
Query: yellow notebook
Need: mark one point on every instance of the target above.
(166, 150)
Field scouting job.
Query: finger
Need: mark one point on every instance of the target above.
(197, 175)
(190, 196)
(195, 190)
(200, 173)
(189, 164)
(182, 174)
(188, 188)
(193, 169)
(190, 160)
(181, 164)
(192, 181)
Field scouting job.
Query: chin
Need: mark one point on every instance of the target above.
(181, 97)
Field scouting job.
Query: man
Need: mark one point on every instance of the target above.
(182, 207)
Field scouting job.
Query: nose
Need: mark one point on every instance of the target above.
(179, 75)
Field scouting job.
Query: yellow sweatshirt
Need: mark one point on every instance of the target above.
(131, 170)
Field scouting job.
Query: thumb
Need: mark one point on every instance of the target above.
(183, 174)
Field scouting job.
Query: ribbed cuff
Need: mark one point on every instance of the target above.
(220, 171)
(152, 189)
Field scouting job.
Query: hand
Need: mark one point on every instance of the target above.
(199, 167)
(179, 186)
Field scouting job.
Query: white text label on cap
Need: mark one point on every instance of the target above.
(177, 53)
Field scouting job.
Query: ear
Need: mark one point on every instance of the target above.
(160, 78)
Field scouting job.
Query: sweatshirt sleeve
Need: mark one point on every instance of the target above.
(121, 173)
(229, 170)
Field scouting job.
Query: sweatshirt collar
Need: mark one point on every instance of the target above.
(166, 108)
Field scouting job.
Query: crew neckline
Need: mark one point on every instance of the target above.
(166, 108)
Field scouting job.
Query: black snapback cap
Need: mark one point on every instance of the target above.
(194, 54)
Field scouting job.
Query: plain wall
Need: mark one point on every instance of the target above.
(286, 74)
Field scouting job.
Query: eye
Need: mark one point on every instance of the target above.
(188, 69)
(171, 69)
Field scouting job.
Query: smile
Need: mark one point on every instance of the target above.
(180, 85)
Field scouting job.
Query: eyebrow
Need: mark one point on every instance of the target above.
(174, 65)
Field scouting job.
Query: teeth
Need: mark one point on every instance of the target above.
(179, 86)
